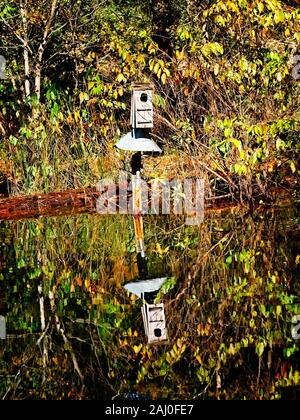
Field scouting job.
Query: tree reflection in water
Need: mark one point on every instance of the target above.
(234, 290)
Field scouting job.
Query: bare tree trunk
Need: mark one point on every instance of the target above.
(43, 337)
(61, 330)
(24, 16)
(40, 53)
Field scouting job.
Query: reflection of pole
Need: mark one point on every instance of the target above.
(153, 314)
(2, 327)
(136, 165)
(3, 310)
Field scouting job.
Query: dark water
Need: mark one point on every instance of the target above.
(229, 309)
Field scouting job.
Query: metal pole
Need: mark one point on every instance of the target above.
(136, 166)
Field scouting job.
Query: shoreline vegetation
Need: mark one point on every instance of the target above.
(226, 77)
(234, 291)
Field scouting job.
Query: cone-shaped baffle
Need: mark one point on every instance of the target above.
(136, 141)
(141, 287)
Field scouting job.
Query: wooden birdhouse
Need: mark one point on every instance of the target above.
(153, 314)
(141, 106)
(141, 121)
(154, 322)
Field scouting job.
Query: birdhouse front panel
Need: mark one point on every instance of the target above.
(154, 323)
(142, 109)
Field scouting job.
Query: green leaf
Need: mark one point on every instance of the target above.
(229, 259)
(166, 287)
(247, 266)
(260, 347)
(13, 140)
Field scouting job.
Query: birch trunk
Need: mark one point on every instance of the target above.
(39, 61)
(24, 16)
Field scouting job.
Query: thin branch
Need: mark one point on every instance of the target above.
(12, 30)
(65, 339)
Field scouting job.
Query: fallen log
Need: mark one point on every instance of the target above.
(73, 202)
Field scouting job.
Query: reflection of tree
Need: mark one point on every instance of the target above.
(216, 305)
(227, 317)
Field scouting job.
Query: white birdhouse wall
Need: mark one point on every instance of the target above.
(154, 322)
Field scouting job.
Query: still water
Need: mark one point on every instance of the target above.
(73, 332)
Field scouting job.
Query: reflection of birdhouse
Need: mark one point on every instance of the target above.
(2, 328)
(153, 314)
(154, 322)
(141, 106)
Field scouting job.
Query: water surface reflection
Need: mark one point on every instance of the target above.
(234, 288)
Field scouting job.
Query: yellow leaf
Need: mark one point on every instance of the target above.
(158, 249)
(156, 68)
(83, 96)
(216, 69)
(120, 78)
(152, 48)
(236, 143)
(179, 55)
(168, 74)
(163, 78)
(242, 89)
(151, 64)
(261, 7)
(91, 85)
(279, 16)
(220, 20)
(77, 116)
(198, 358)
(233, 6)
(137, 349)
(293, 167)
